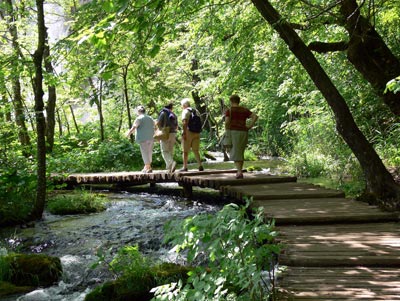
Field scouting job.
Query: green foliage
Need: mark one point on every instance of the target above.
(92, 156)
(135, 276)
(32, 269)
(4, 265)
(236, 246)
(249, 155)
(76, 203)
(18, 184)
(129, 261)
(393, 85)
(125, 53)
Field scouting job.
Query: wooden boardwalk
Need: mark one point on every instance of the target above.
(334, 249)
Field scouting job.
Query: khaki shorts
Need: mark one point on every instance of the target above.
(192, 142)
(239, 143)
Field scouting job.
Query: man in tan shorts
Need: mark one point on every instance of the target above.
(190, 140)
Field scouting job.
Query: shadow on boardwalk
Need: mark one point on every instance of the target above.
(334, 248)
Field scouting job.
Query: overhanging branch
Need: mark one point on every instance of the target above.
(322, 47)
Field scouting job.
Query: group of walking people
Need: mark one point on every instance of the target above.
(144, 127)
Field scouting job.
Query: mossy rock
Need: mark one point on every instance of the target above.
(123, 289)
(34, 269)
(168, 272)
(7, 289)
(137, 288)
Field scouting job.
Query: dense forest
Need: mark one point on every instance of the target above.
(323, 76)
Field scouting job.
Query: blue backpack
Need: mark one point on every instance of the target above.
(194, 123)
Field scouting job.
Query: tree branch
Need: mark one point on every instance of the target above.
(322, 47)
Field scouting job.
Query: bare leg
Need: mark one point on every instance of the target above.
(197, 156)
(185, 159)
(239, 167)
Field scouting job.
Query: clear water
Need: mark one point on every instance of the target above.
(130, 219)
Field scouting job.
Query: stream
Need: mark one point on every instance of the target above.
(130, 219)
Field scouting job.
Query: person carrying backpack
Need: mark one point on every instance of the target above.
(168, 118)
(191, 128)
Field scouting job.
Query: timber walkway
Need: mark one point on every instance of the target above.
(334, 248)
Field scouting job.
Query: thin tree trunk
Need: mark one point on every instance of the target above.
(126, 94)
(97, 100)
(5, 113)
(51, 101)
(60, 130)
(198, 101)
(20, 119)
(74, 119)
(40, 119)
(66, 122)
(380, 184)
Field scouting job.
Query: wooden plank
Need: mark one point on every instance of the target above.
(216, 181)
(341, 245)
(280, 191)
(322, 211)
(337, 260)
(355, 283)
(134, 178)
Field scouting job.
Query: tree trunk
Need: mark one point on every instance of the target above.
(97, 100)
(5, 114)
(40, 119)
(67, 123)
(369, 54)
(126, 96)
(379, 183)
(60, 130)
(198, 101)
(74, 119)
(20, 119)
(51, 101)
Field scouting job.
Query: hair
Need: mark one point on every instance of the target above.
(185, 102)
(235, 98)
(169, 106)
(141, 109)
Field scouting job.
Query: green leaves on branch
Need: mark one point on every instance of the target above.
(236, 247)
(393, 85)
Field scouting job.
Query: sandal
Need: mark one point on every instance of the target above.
(239, 176)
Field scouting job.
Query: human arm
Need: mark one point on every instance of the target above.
(185, 121)
(133, 128)
(184, 128)
(227, 120)
(253, 118)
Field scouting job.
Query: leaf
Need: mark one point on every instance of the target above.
(108, 6)
(155, 50)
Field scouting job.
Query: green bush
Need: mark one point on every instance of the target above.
(135, 276)
(236, 246)
(307, 165)
(18, 185)
(114, 154)
(76, 203)
(4, 265)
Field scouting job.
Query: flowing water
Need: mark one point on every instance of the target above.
(132, 218)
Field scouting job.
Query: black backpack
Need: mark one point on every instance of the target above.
(194, 123)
